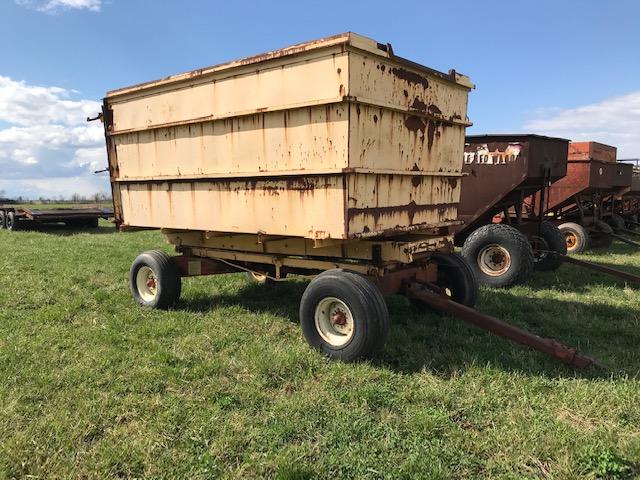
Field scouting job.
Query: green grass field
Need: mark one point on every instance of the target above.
(224, 386)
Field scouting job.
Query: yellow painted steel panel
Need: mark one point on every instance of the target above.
(382, 81)
(311, 138)
(269, 88)
(311, 207)
(271, 144)
(380, 203)
(385, 139)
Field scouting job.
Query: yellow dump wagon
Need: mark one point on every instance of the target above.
(335, 158)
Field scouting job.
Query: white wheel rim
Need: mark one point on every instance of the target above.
(494, 260)
(147, 284)
(334, 321)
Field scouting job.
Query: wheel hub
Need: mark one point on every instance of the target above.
(571, 240)
(147, 283)
(334, 321)
(540, 248)
(494, 260)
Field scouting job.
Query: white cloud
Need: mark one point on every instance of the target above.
(53, 6)
(614, 121)
(47, 141)
(24, 104)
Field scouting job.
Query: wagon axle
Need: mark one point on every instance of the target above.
(343, 313)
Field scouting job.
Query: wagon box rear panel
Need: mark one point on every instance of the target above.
(336, 138)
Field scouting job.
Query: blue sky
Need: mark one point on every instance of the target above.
(568, 68)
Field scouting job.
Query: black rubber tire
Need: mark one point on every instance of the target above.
(3, 217)
(364, 300)
(90, 223)
(616, 222)
(510, 240)
(631, 220)
(167, 277)
(580, 235)
(551, 239)
(601, 237)
(456, 275)
(11, 222)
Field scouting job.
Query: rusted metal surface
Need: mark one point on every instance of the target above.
(545, 345)
(197, 266)
(592, 151)
(502, 170)
(622, 177)
(403, 249)
(395, 282)
(334, 139)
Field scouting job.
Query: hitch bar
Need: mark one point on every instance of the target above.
(432, 296)
(629, 232)
(601, 268)
(624, 240)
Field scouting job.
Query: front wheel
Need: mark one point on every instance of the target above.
(616, 222)
(11, 221)
(3, 219)
(499, 255)
(344, 315)
(548, 244)
(155, 280)
(600, 236)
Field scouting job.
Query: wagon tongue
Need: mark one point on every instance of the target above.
(549, 346)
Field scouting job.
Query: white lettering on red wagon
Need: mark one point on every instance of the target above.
(484, 156)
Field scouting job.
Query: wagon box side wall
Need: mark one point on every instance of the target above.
(276, 85)
(491, 178)
(303, 206)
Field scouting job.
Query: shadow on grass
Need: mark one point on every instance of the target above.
(443, 345)
(61, 229)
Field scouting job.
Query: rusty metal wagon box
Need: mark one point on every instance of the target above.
(592, 151)
(337, 138)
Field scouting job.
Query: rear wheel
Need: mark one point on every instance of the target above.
(601, 237)
(456, 278)
(575, 236)
(499, 255)
(344, 315)
(3, 218)
(11, 221)
(616, 222)
(631, 221)
(155, 280)
(548, 244)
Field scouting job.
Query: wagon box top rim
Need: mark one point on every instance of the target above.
(584, 142)
(347, 38)
(507, 136)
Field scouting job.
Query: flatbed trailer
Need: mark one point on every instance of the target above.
(13, 217)
(334, 158)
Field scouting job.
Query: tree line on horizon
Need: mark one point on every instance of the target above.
(99, 197)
